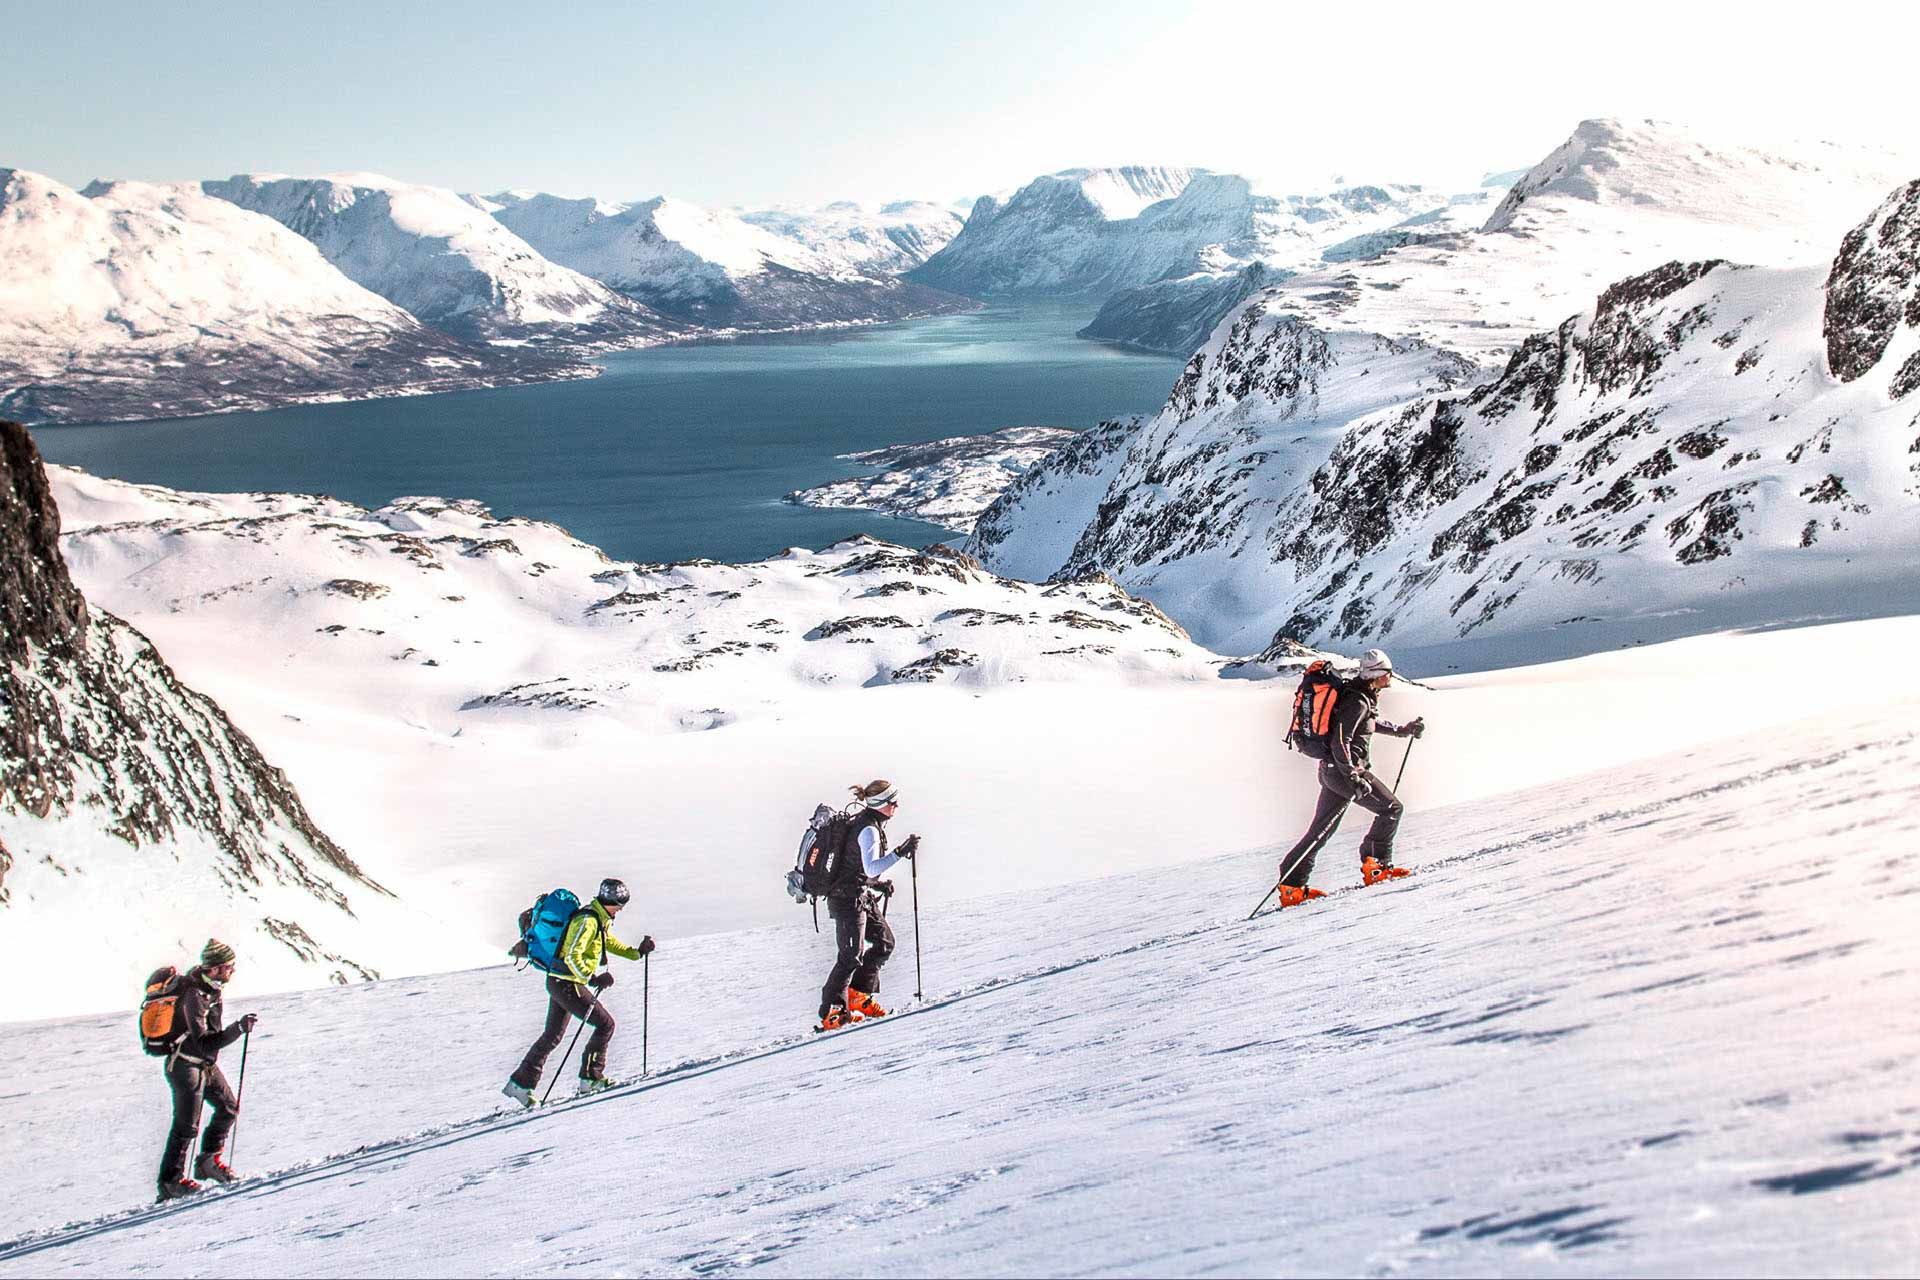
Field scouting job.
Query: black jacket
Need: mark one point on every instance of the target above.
(850, 873)
(200, 1006)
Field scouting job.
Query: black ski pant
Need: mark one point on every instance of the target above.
(195, 1085)
(856, 921)
(566, 1001)
(1336, 793)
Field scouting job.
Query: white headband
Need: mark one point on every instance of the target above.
(890, 796)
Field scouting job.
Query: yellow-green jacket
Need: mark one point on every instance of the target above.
(588, 940)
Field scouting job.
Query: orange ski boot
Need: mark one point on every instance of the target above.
(862, 1004)
(833, 1019)
(1373, 871)
(1293, 895)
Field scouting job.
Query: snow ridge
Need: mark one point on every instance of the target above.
(139, 300)
(1676, 448)
(437, 256)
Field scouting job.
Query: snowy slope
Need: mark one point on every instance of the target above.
(1095, 232)
(1657, 1022)
(136, 300)
(1617, 199)
(135, 816)
(1704, 445)
(1177, 312)
(435, 255)
(893, 238)
(709, 267)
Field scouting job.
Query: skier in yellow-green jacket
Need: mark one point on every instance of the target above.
(576, 994)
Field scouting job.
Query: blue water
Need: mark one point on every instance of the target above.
(672, 453)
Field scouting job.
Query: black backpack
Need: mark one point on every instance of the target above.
(816, 865)
(1310, 732)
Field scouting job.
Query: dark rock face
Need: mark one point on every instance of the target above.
(1872, 290)
(96, 728)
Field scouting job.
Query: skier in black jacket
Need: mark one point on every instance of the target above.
(194, 1075)
(1346, 778)
(855, 903)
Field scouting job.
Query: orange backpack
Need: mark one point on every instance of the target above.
(1321, 688)
(161, 1026)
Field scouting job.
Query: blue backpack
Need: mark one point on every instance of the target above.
(544, 927)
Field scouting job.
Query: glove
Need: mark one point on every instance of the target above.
(646, 945)
(247, 1023)
(1414, 728)
(884, 888)
(909, 846)
(1361, 787)
(600, 981)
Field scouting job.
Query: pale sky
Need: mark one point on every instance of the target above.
(736, 103)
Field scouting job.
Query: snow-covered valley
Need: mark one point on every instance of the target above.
(1646, 1020)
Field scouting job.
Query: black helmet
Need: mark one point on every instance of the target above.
(613, 892)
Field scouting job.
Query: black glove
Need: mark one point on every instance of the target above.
(246, 1023)
(600, 981)
(883, 887)
(1361, 787)
(646, 945)
(909, 846)
(1414, 728)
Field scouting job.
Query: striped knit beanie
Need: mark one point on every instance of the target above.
(215, 953)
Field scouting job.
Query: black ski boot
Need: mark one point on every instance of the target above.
(178, 1189)
(211, 1167)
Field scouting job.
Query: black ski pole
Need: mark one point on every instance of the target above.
(1319, 843)
(239, 1093)
(646, 1005)
(562, 1070)
(1403, 765)
(913, 873)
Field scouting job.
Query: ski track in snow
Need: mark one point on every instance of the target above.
(1653, 1020)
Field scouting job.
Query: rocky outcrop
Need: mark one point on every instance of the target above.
(1872, 290)
(101, 743)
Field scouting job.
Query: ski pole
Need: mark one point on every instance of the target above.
(913, 872)
(239, 1093)
(1319, 843)
(562, 1070)
(646, 1003)
(1403, 765)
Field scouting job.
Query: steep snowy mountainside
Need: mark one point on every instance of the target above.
(709, 267)
(136, 300)
(1655, 1022)
(947, 482)
(435, 255)
(1091, 233)
(894, 238)
(135, 818)
(1615, 200)
(1681, 455)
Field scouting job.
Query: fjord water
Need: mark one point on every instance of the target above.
(674, 452)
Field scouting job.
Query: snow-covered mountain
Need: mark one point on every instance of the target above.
(135, 818)
(710, 267)
(891, 239)
(1095, 232)
(1652, 1018)
(1703, 444)
(434, 254)
(137, 300)
(1177, 313)
(1617, 199)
